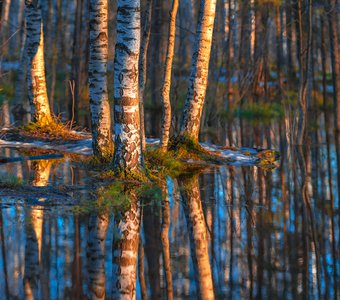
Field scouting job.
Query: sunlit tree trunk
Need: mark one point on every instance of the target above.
(143, 66)
(128, 155)
(125, 252)
(335, 56)
(165, 97)
(102, 142)
(96, 255)
(198, 236)
(36, 81)
(199, 71)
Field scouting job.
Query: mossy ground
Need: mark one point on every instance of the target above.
(52, 132)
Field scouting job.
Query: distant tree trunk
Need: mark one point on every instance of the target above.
(194, 215)
(96, 255)
(199, 71)
(37, 92)
(289, 30)
(245, 42)
(125, 252)
(304, 25)
(4, 16)
(128, 155)
(143, 66)
(1, 5)
(258, 48)
(75, 63)
(54, 60)
(102, 142)
(157, 55)
(279, 46)
(165, 96)
(335, 56)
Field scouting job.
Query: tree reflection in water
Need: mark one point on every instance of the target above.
(231, 232)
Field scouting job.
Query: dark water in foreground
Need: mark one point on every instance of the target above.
(265, 234)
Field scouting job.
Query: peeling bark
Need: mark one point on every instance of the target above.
(199, 71)
(102, 142)
(128, 155)
(36, 81)
(125, 252)
(165, 98)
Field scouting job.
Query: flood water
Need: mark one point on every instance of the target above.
(258, 233)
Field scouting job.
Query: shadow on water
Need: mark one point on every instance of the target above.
(231, 232)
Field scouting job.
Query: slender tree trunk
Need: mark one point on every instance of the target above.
(143, 66)
(102, 142)
(335, 57)
(75, 64)
(289, 30)
(304, 25)
(4, 17)
(165, 96)
(96, 255)
(158, 42)
(1, 6)
(54, 60)
(36, 81)
(128, 155)
(125, 252)
(199, 71)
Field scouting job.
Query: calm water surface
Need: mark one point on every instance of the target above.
(265, 234)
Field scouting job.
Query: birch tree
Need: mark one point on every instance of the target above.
(165, 98)
(36, 81)
(199, 71)
(102, 142)
(128, 154)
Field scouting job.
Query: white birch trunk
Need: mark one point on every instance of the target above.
(102, 142)
(36, 81)
(166, 104)
(128, 154)
(199, 71)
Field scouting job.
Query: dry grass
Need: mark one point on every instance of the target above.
(55, 131)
